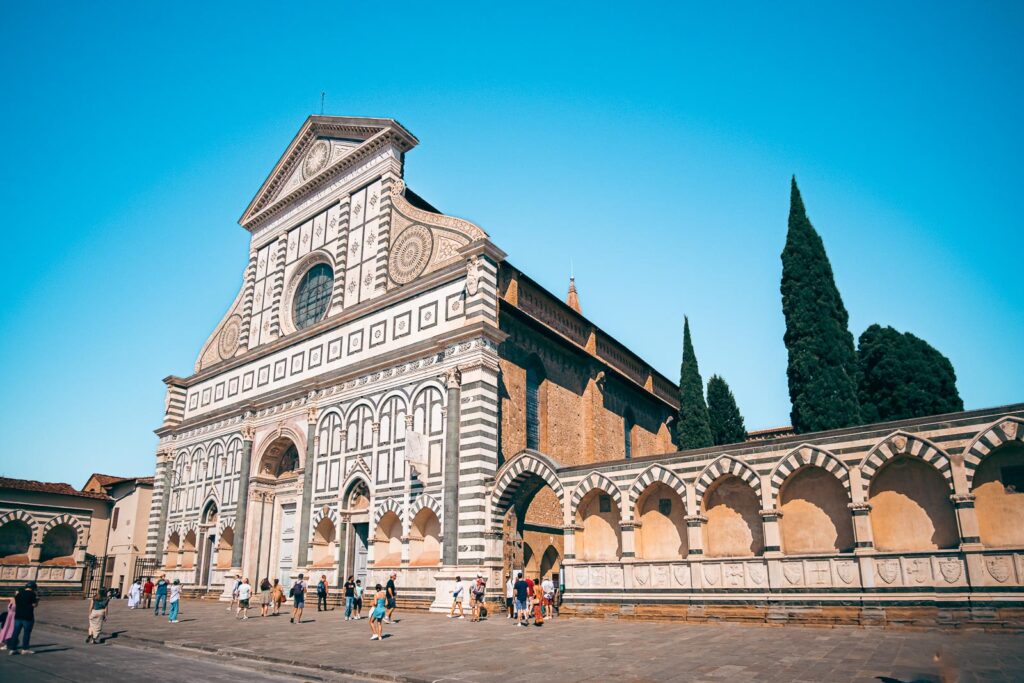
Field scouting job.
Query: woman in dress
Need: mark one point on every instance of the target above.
(97, 615)
(135, 594)
(377, 614)
(265, 598)
(277, 596)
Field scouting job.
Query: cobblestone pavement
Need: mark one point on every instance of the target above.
(430, 647)
(61, 655)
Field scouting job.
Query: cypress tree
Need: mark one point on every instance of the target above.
(692, 427)
(723, 413)
(822, 368)
(903, 376)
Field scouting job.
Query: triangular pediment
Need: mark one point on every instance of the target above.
(323, 148)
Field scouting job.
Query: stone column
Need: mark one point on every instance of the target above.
(302, 557)
(449, 530)
(862, 537)
(694, 533)
(967, 519)
(243, 497)
(165, 467)
(770, 527)
(628, 539)
(344, 527)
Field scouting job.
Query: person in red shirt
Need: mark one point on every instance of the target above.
(530, 591)
(147, 592)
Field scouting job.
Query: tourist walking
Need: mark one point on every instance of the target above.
(135, 594)
(377, 614)
(244, 594)
(277, 596)
(358, 604)
(548, 590)
(175, 600)
(457, 599)
(147, 593)
(350, 596)
(509, 595)
(391, 597)
(161, 595)
(234, 592)
(25, 601)
(522, 599)
(538, 603)
(97, 615)
(298, 593)
(321, 594)
(7, 624)
(264, 596)
(477, 595)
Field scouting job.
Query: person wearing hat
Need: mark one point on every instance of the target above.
(25, 601)
(175, 601)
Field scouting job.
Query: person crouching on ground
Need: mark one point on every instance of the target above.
(457, 599)
(377, 615)
(264, 596)
(175, 601)
(97, 615)
(298, 593)
(244, 594)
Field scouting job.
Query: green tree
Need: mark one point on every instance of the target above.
(903, 376)
(692, 427)
(822, 368)
(723, 413)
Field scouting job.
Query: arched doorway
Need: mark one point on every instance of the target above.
(208, 544)
(356, 541)
(533, 520)
(276, 474)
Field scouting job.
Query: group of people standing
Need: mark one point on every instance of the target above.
(526, 599)
(477, 598)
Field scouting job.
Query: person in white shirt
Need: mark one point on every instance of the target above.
(175, 601)
(244, 593)
(547, 587)
(509, 591)
(457, 599)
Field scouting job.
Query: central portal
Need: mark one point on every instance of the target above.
(532, 532)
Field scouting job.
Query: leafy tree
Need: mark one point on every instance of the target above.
(903, 376)
(692, 428)
(822, 368)
(723, 414)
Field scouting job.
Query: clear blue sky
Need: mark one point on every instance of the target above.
(652, 145)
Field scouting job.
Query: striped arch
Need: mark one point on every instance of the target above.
(425, 501)
(814, 456)
(724, 465)
(386, 506)
(71, 522)
(596, 480)
(331, 514)
(901, 443)
(224, 523)
(326, 413)
(514, 474)
(995, 435)
(22, 516)
(655, 473)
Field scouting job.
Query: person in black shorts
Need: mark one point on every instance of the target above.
(390, 593)
(298, 593)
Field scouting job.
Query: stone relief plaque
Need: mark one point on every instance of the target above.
(712, 573)
(410, 254)
(998, 567)
(661, 576)
(793, 571)
(642, 575)
(887, 570)
(756, 573)
(846, 571)
(918, 570)
(316, 159)
(950, 569)
(733, 575)
(599, 576)
(681, 574)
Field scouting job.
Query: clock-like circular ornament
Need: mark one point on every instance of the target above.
(410, 254)
(316, 159)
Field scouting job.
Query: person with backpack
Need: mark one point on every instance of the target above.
(457, 599)
(478, 592)
(321, 594)
(522, 599)
(298, 595)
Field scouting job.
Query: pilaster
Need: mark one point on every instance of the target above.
(449, 530)
(237, 547)
(302, 556)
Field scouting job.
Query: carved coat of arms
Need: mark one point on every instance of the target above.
(846, 572)
(793, 571)
(661, 576)
(756, 572)
(681, 573)
(712, 573)
(998, 567)
(950, 569)
(887, 570)
(734, 575)
(642, 574)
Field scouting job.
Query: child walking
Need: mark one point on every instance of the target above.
(175, 601)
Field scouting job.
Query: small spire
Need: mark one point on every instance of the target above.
(573, 298)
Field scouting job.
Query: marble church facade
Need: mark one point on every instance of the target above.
(388, 393)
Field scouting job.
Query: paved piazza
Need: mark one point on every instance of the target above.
(429, 647)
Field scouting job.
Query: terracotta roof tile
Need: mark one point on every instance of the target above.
(48, 487)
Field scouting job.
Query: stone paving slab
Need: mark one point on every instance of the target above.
(430, 647)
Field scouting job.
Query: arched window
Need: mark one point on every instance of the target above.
(427, 420)
(313, 295)
(15, 537)
(627, 433)
(59, 545)
(534, 377)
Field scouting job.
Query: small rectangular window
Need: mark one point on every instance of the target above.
(113, 522)
(665, 506)
(1013, 478)
(605, 503)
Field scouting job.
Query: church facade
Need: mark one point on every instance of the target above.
(388, 393)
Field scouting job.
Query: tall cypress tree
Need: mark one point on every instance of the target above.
(822, 368)
(903, 376)
(723, 413)
(692, 427)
